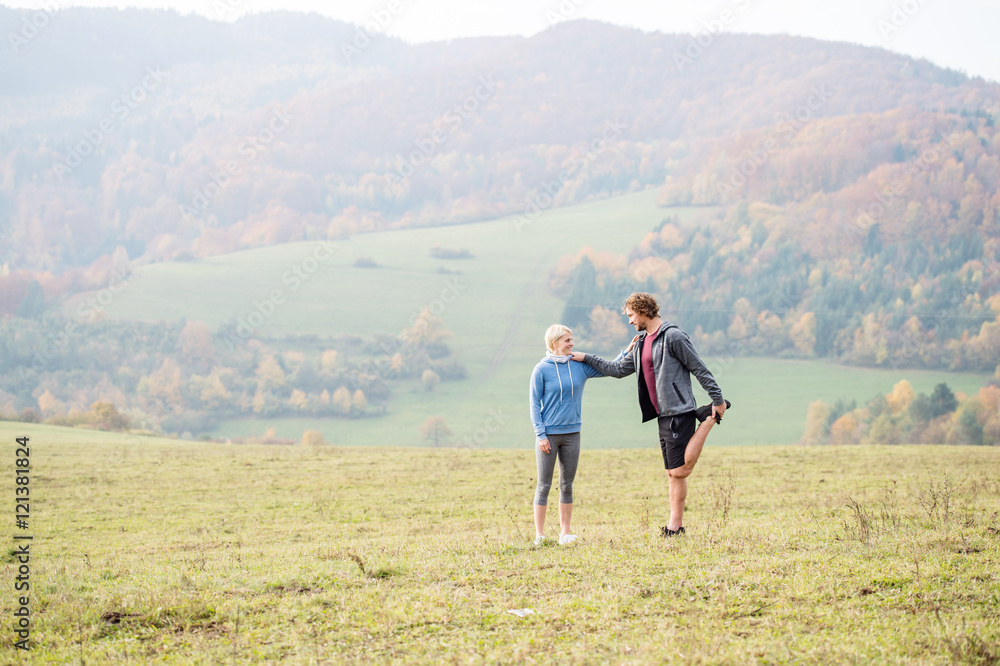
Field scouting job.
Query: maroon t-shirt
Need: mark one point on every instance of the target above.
(646, 359)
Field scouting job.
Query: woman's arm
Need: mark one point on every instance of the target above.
(536, 389)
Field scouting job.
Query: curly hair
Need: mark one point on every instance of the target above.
(643, 304)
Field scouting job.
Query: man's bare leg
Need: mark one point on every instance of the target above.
(694, 447)
(678, 493)
(678, 476)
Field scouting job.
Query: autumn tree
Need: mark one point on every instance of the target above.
(328, 361)
(844, 430)
(214, 393)
(816, 423)
(164, 384)
(427, 329)
(342, 400)
(313, 438)
(105, 416)
(298, 400)
(607, 330)
(359, 403)
(435, 429)
(269, 374)
(196, 345)
(49, 405)
(29, 415)
(430, 379)
(803, 334)
(900, 397)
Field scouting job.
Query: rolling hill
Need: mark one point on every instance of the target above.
(100, 154)
(500, 305)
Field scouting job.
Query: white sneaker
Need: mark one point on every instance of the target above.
(539, 540)
(567, 538)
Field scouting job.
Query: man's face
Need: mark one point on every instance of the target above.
(636, 319)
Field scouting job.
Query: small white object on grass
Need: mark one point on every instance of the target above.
(521, 612)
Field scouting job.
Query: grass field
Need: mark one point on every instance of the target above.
(177, 552)
(501, 310)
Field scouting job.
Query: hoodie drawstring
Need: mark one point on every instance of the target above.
(560, 382)
(572, 390)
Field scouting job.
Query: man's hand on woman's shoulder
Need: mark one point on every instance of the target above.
(578, 356)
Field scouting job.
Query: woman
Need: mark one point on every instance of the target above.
(556, 396)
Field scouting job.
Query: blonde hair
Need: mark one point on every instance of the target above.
(554, 333)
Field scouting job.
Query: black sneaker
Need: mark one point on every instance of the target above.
(667, 532)
(703, 413)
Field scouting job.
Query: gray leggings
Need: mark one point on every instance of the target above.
(567, 449)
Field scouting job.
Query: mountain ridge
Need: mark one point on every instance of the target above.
(528, 138)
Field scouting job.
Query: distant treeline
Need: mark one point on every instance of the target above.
(905, 417)
(181, 377)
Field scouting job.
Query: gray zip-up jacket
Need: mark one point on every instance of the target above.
(674, 361)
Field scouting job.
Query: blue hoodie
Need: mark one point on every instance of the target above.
(556, 396)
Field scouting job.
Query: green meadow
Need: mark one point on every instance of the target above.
(770, 397)
(202, 553)
(498, 308)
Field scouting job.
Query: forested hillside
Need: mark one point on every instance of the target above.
(872, 239)
(165, 137)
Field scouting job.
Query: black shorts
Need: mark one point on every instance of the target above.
(675, 433)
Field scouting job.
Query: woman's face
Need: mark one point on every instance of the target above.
(564, 345)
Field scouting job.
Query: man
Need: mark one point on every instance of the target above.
(664, 359)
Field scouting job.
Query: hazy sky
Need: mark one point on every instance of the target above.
(960, 34)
